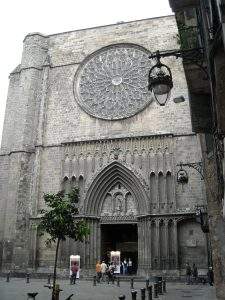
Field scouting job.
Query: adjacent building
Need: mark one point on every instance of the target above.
(201, 26)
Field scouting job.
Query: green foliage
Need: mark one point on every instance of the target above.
(60, 220)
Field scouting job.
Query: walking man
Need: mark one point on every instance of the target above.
(195, 274)
(188, 273)
(74, 270)
(210, 276)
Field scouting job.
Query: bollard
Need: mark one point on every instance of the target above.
(134, 295)
(70, 297)
(94, 280)
(132, 283)
(156, 290)
(56, 292)
(150, 292)
(27, 278)
(164, 286)
(108, 279)
(118, 281)
(8, 277)
(113, 279)
(143, 294)
(122, 297)
(49, 279)
(160, 291)
(147, 283)
(31, 295)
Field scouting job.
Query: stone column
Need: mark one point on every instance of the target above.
(145, 249)
(166, 234)
(175, 242)
(149, 244)
(92, 245)
(98, 241)
(87, 247)
(141, 245)
(157, 241)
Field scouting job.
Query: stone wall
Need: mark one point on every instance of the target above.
(48, 138)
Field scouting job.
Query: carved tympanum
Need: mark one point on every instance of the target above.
(119, 202)
(113, 82)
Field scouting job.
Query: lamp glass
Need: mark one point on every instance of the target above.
(161, 89)
(161, 99)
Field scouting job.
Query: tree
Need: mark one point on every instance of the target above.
(60, 220)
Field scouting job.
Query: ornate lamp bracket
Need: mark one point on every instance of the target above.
(198, 166)
(194, 56)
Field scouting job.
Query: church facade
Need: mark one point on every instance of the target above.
(79, 113)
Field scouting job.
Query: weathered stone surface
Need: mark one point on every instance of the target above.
(50, 142)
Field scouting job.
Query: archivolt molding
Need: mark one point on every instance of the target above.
(115, 173)
(139, 175)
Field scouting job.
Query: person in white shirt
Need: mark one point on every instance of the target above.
(125, 267)
(103, 270)
(130, 266)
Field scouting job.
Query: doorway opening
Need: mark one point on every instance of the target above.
(123, 238)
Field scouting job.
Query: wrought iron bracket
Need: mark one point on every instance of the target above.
(198, 166)
(194, 56)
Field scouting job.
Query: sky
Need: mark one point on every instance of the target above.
(18, 18)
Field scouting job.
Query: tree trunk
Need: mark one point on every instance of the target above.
(55, 267)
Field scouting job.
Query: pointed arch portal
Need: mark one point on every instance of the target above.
(114, 201)
(112, 175)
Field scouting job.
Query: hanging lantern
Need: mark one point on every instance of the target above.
(160, 81)
(182, 176)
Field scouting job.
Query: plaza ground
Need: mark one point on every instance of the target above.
(17, 289)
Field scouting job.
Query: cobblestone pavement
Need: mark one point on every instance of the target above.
(17, 289)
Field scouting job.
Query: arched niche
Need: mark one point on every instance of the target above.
(66, 184)
(161, 187)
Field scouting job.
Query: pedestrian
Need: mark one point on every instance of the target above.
(210, 275)
(188, 273)
(121, 268)
(103, 270)
(74, 270)
(111, 271)
(125, 267)
(130, 265)
(98, 271)
(195, 274)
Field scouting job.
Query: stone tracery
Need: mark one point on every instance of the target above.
(113, 83)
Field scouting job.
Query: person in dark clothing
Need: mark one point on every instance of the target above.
(110, 271)
(195, 274)
(74, 270)
(188, 273)
(210, 276)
